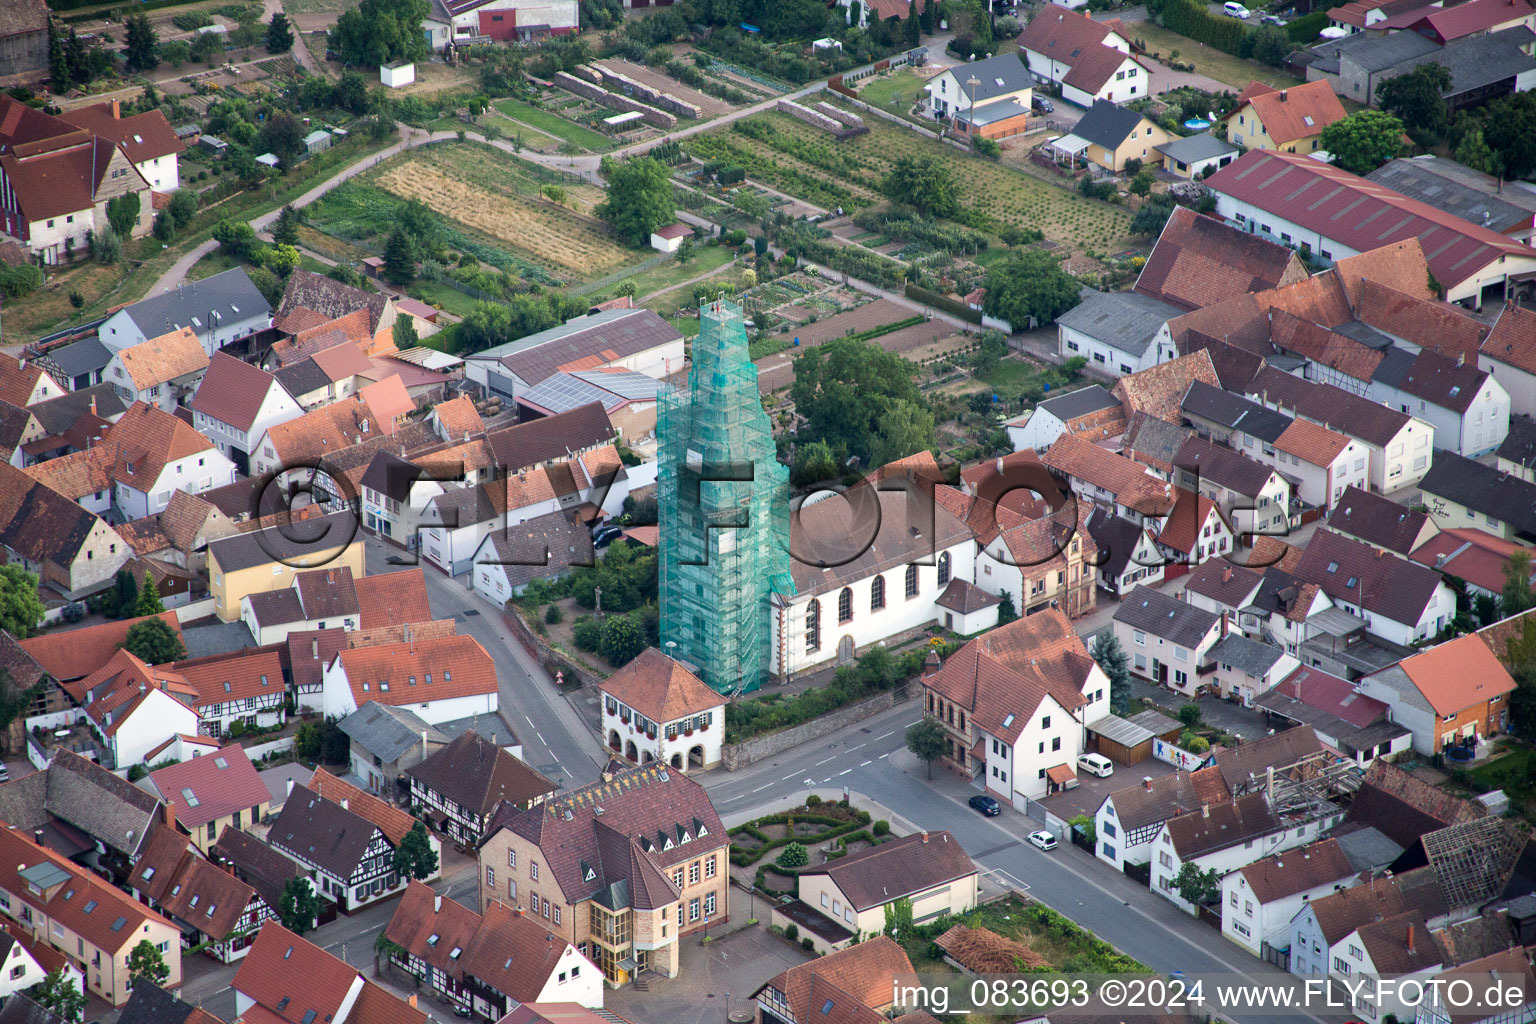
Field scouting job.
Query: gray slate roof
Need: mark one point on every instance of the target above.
(59, 414)
(1195, 148)
(1122, 320)
(302, 377)
(1483, 489)
(81, 357)
(231, 295)
(387, 732)
(1372, 52)
(1519, 444)
(1233, 411)
(1080, 402)
(1460, 192)
(1154, 612)
(996, 76)
(538, 357)
(1107, 124)
(1480, 61)
(20, 1010)
(291, 541)
(1115, 535)
(1246, 655)
(151, 1004)
(87, 796)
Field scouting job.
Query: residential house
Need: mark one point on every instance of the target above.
(350, 857)
(73, 551)
(1246, 668)
(456, 522)
(1397, 599)
(369, 419)
(1090, 60)
(1475, 558)
(519, 21)
(1509, 355)
(1462, 492)
(445, 944)
(1117, 332)
(1319, 931)
(160, 372)
(1194, 531)
(26, 384)
(1222, 586)
(151, 1004)
(623, 868)
(244, 690)
(1195, 156)
(1288, 611)
(385, 741)
(268, 559)
(460, 786)
(1252, 497)
(1474, 18)
(853, 983)
(263, 868)
(1091, 413)
(1400, 946)
(1159, 391)
(655, 709)
(21, 969)
(1297, 200)
(158, 454)
(1169, 641)
(1014, 703)
(1290, 120)
(1130, 818)
(396, 598)
(628, 339)
(1200, 260)
(1467, 407)
(1341, 716)
(78, 365)
(285, 979)
(1128, 553)
(220, 310)
(134, 708)
(56, 902)
(212, 908)
(1111, 481)
(551, 440)
(325, 377)
(83, 811)
(313, 301)
(543, 548)
(25, 48)
(1259, 899)
(1222, 837)
(394, 494)
(1109, 135)
(440, 679)
(1453, 694)
(1381, 522)
(213, 793)
(235, 405)
(1400, 446)
(929, 870)
(989, 97)
(1324, 462)
(318, 599)
(147, 139)
(1510, 965)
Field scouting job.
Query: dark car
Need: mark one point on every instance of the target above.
(1043, 105)
(606, 535)
(986, 805)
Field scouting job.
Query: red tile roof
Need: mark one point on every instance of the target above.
(862, 972)
(143, 136)
(455, 666)
(148, 439)
(61, 175)
(432, 928)
(1400, 266)
(120, 686)
(220, 784)
(1321, 345)
(1318, 689)
(232, 391)
(1438, 326)
(393, 599)
(1076, 40)
(1457, 675)
(1469, 554)
(1359, 213)
(310, 651)
(75, 653)
(660, 688)
(1312, 443)
(284, 969)
(1159, 391)
(1190, 515)
(458, 418)
(1128, 480)
(342, 361)
(1470, 18)
(1513, 338)
(1199, 261)
(1296, 112)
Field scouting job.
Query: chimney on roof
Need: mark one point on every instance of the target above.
(1378, 552)
(1226, 574)
(1205, 810)
(932, 664)
(1282, 94)
(437, 903)
(168, 815)
(93, 405)
(1146, 783)
(1226, 624)
(1410, 923)
(37, 834)
(117, 110)
(925, 837)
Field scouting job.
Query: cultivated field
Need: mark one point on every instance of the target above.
(711, 105)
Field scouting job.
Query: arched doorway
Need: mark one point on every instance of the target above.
(614, 742)
(677, 761)
(696, 756)
(630, 753)
(647, 757)
(845, 649)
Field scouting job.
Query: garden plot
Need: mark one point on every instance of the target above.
(712, 106)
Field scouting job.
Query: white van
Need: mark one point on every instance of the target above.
(1232, 9)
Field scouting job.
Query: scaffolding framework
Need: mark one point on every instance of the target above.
(1473, 861)
(724, 511)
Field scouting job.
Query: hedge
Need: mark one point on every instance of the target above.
(883, 329)
(840, 827)
(943, 302)
(1188, 18)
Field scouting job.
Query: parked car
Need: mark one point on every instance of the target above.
(1233, 9)
(605, 535)
(1043, 105)
(1042, 840)
(1096, 764)
(986, 805)
(1273, 19)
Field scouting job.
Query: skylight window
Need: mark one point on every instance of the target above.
(90, 906)
(189, 797)
(195, 897)
(1333, 566)
(432, 939)
(221, 762)
(826, 1007)
(1308, 118)
(1009, 720)
(1350, 582)
(118, 925)
(453, 954)
(226, 686)
(148, 874)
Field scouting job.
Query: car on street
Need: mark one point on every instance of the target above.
(1042, 840)
(1273, 19)
(986, 805)
(1096, 764)
(1233, 9)
(1043, 105)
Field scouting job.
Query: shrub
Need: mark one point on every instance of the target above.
(795, 855)
(792, 932)
(587, 634)
(813, 801)
(882, 827)
(808, 945)
(553, 614)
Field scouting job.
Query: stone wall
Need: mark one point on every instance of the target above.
(613, 101)
(740, 755)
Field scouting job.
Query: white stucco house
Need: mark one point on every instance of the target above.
(1467, 407)
(1399, 600)
(1259, 899)
(236, 404)
(655, 709)
(440, 680)
(161, 372)
(1119, 333)
(1080, 54)
(219, 309)
(157, 455)
(1221, 838)
(1131, 817)
(1168, 640)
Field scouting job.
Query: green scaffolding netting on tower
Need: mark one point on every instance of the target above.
(724, 511)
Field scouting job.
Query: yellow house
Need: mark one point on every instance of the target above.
(846, 899)
(213, 793)
(1290, 120)
(262, 560)
(1109, 135)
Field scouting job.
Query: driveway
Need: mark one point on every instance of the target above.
(728, 970)
(1164, 79)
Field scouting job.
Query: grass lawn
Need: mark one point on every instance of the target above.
(1208, 60)
(1509, 773)
(435, 293)
(688, 326)
(894, 92)
(215, 262)
(553, 124)
(1010, 376)
(669, 274)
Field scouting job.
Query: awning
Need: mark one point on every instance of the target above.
(1061, 774)
(1072, 145)
(979, 751)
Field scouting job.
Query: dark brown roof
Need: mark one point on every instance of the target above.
(1220, 826)
(1200, 260)
(1378, 520)
(1241, 765)
(330, 298)
(321, 832)
(432, 928)
(327, 593)
(1513, 338)
(964, 597)
(1385, 585)
(1157, 800)
(513, 953)
(1294, 871)
(263, 868)
(899, 868)
(1342, 912)
(1404, 807)
(1222, 582)
(21, 668)
(1340, 410)
(232, 391)
(143, 136)
(478, 775)
(553, 437)
(1401, 944)
(311, 650)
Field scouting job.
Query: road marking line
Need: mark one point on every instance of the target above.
(885, 734)
(866, 762)
(818, 764)
(735, 798)
(845, 771)
(859, 747)
(882, 757)
(541, 737)
(530, 722)
(827, 779)
(791, 775)
(913, 722)
(759, 789)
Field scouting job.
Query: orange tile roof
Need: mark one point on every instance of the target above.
(1427, 323)
(164, 359)
(75, 653)
(1322, 345)
(282, 968)
(389, 401)
(1125, 478)
(1200, 260)
(392, 599)
(1513, 338)
(221, 678)
(120, 686)
(455, 666)
(1297, 112)
(18, 382)
(342, 361)
(148, 439)
(77, 474)
(1181, 531)
(386, 817)
(1400, 266)
(1312, 443)
(1458, 674)
(660, 688)
(459, 418)
(1159, 391)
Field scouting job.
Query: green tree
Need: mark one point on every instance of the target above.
(913, 26)
(57, 992)
(381, 31)
(906, 428)
(236, 237)
(640, 200)
(1029, 286)
(298, 907)
(845, 389)
(20, 608)
(1510, 128)
(404, 332)
(351, 93)
(208, 48)
(1364, 140)
(106, 245)
(1142, 183)
(149, 602)
(1112, 659)
(123, 598)
(59, 77)
(1270, 45)
(1517, 596)
(154, 642)
(794, 855)
(123, 213)
(623, 640)
(1006, 612)
(814, 462)
(1152, 216)
(282, 260)
(279, 34)
(282, 134)
(898, 918)
(1417, 99)
(285, 229)
(414, 857)
(923, 182)
(927, 741)
(142, 51)
(1189, 714)
(1085, 826)
(686, 251)
(399, 258)
(1474, 152)
(146, 964)
(993, 347)
(1521, 659)
(78, 57)
(1196, 886)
